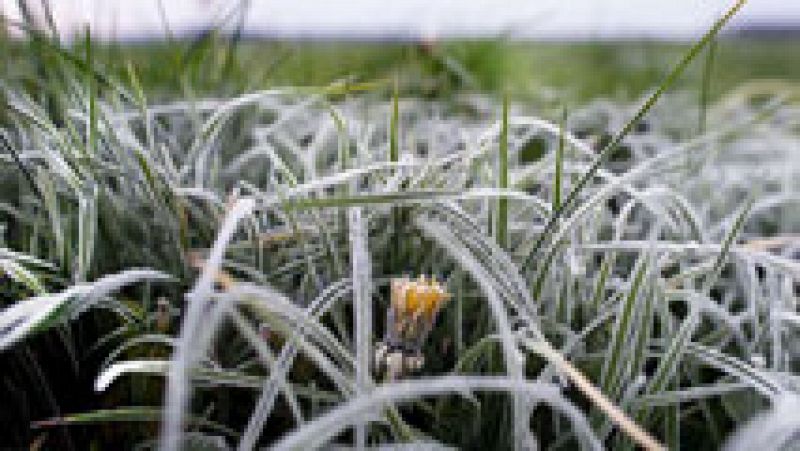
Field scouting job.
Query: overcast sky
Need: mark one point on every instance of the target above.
(392, 18)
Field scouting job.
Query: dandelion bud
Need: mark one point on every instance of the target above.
(412, 313)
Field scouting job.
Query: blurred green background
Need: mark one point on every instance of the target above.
(213, 64)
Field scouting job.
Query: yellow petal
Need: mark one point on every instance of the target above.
(412, 298)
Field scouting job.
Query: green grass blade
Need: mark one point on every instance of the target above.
(91, 135)
(128, 415)
(544, 269)
(394, 157)
(22, 275)
(559, 169)
(394, 124)
(727, 243)
(705, 87)
(600, 284)
(6, 145)
(670, 79)
(642, 333)
(502, 179)
(614, 367)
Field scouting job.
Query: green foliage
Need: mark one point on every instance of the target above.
(611, 303)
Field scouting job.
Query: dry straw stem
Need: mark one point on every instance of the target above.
(625, 423)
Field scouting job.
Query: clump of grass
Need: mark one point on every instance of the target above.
(633, 311)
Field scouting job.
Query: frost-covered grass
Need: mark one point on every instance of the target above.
(616, 279)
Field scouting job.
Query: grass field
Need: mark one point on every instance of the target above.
(484, 245)
(555, 71)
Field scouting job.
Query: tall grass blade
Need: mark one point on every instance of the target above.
(559, 163)
(502, 179)
(362, 307)
(669, 80)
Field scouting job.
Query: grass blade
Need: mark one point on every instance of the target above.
(502, 179)
(670, 79)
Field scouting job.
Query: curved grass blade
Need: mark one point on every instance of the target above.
(36, 314)
(127, 415)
